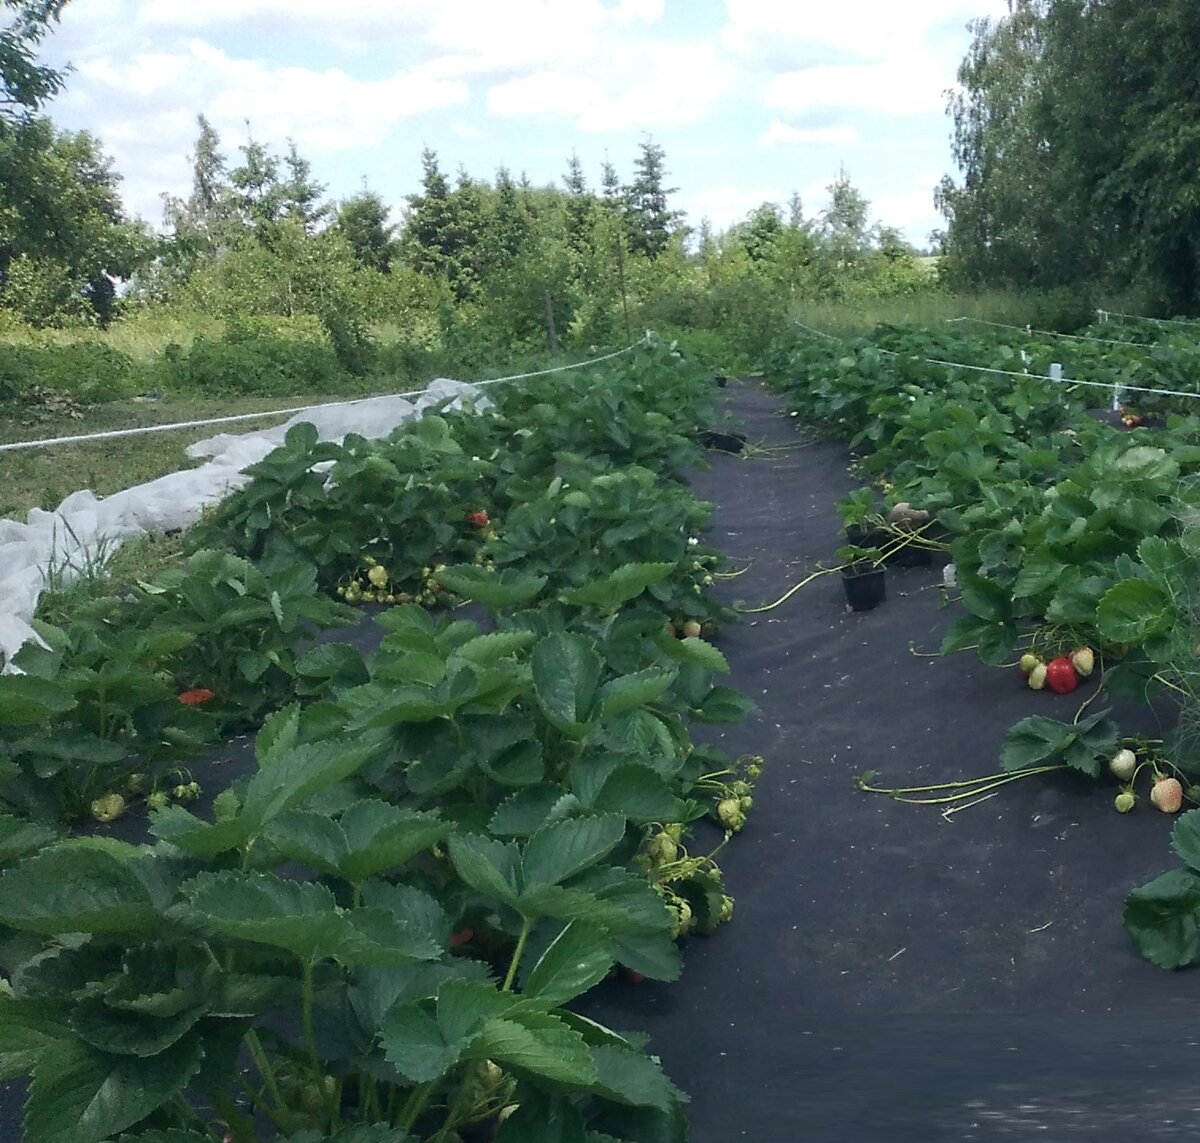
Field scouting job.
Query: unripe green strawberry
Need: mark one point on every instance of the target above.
(739, 789)
(1166, 794)
(157, 800)
(1123, 764)
(1084, 661)
(674, 830)
(135, 783)
(108, 808)
(1125, 801)
(662, 849)
(729, 812)
(683, 916)
(726, 913)
(746, 802)
(691, 629)
(1028, 661)
(491, 1075)
(378, 576)
(1037, 677)
(754, 771)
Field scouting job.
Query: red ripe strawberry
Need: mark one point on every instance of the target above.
(461, 937)
(1060, 676)
(477, 519)
(632, 975)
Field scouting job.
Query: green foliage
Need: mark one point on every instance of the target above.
(66, 236)
(251, 362)
(1068, 130)
(441, 845)
(24, 83)
(88, 370)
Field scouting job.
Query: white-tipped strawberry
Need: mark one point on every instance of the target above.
(1166, 794)
(1084, 661)
(1123, 764)
(691, 629)
(1037, 677)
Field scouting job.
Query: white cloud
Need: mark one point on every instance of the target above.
(639, 90)
(729, 203)
(780, 134)
(910, 85)
(864, 28)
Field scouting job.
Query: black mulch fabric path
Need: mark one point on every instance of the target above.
(892, 976)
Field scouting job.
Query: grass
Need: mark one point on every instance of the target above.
(41, 478)
(140, 558)
(852, 319)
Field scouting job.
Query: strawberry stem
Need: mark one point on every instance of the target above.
(995, 785)
(1026, 772)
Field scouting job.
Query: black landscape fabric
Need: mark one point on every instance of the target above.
(892, 975)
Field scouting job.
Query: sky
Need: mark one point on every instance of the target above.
(751, 100)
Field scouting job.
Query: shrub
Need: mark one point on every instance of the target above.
(246, 365)
(88, 370)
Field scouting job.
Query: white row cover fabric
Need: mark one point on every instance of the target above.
(85, 530)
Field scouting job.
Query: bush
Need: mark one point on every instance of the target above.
(243, 364)
(88, 370)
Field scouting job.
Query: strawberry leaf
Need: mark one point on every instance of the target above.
(1163, 919)
(85, 1095)
(576, 960)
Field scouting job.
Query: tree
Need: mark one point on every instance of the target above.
(1004, 213)
(363, 222)
(651, 221)
(258, 196)
(301, 193)
(24, 83)
(761, 232)
(209, 177)
(844, 222)
(64, 237)
(580, 203)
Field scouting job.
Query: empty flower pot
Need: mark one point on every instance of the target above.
(722, 442)
(866, 586)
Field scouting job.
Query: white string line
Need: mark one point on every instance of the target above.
(1050, 333)
(1064, 381)
(818, 332)
(1110, 385)
(1139, 317)
(115, 433)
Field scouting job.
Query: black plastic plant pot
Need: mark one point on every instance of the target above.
(911, 556)
(722, 442)
(866, 586)
(862, 537)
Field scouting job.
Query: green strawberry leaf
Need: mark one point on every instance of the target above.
(86, 1096)
(1134, 610)
(566, 671)
(562, 849)
(1163, 919)
(576, 960)
(77, 887)
(628, 692)
(302, 918)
